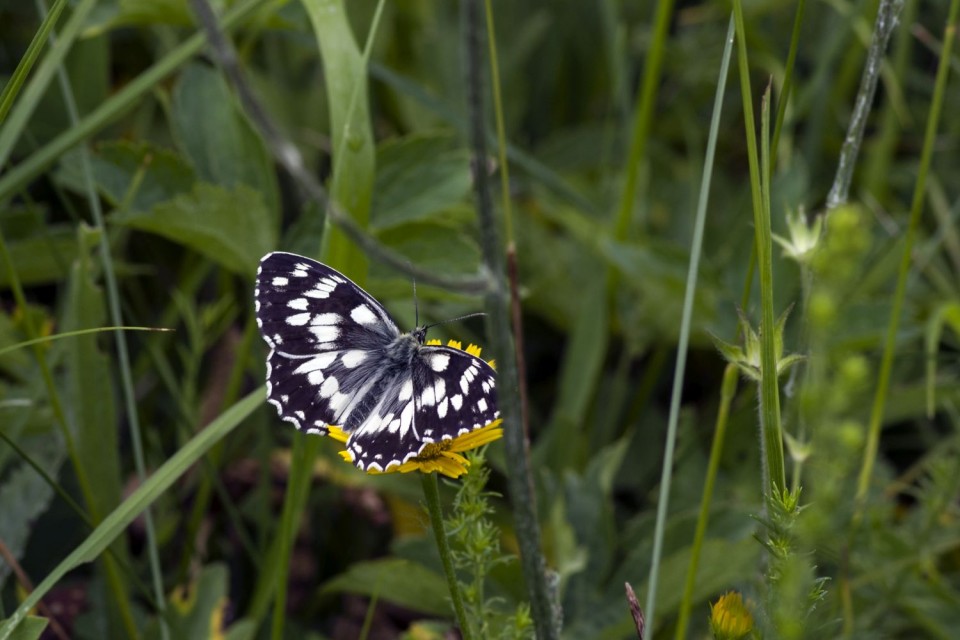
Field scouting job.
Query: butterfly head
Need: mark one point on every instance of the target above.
(420, 333)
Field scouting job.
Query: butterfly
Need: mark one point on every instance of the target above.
(338, 359)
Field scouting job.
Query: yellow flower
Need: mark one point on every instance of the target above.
(729, 617)
(444, 456)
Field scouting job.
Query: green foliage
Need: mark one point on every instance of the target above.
(475, 545)
(860, 543)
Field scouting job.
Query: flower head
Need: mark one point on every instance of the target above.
(729, 617)
(804, 236)
(443, 456)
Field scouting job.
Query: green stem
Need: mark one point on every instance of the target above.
(771, 438)
(643, 115)
(12, 88)
(431, 491)
(501, 128)
(727, 390)
(685, 324)
(787, 82)
(886, 362)
(886, 21)
(522, 494)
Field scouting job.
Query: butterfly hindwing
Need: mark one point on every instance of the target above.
(447, 393)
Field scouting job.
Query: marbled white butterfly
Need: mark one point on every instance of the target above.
(337, 358)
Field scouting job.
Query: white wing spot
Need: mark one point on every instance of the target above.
(299, 272)
(406, 419)
(338, 401)
(440, 388)
(442, 409)
(325, 333)
(300, 304)
(325, 318)
(298, 319)
(353, 358)
(280, 281)
(329, 387)
(439, 361)
(315, 378)
(482, 404)
(428, 398)
(406, 391)
(456, 401)
(362, 315)
(321, 361)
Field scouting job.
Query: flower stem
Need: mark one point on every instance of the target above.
(431, 491)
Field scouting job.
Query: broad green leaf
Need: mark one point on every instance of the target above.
(224, 148)
(140, 172)
(437, 247)
(89, 396)
(350, 126)
(229, 226)
(115, 524)
(419, 177)
(402, 582)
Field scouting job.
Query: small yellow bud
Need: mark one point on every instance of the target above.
(729, 617)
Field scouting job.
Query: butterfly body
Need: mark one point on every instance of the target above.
(337, 359)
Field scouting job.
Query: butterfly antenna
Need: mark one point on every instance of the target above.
(416, 306)
(469, 315)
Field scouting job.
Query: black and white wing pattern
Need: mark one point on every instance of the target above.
(337, 358)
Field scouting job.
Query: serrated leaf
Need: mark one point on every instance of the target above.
(402, 582)
(148, 173)
(221, 143)
(230, 226)
(417, 178)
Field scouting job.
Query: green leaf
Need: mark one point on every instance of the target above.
(433, 246)
(230, 226)
(402, 582)
(141, 172)
(43, 258)
(90, 402)
(223, 147)
(419, 177)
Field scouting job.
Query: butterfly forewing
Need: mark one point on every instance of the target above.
(325, 334)
(337, 358)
